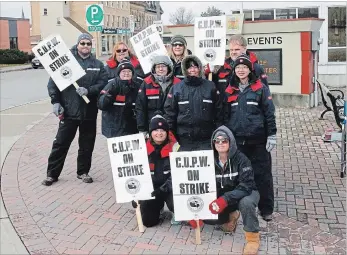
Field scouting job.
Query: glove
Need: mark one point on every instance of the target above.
(134, 204)
(217, 206)
(58, 109)
(82, 91)
(193, 224)
(271, 142)
(156, 192)
(145, 134)
(216, 69)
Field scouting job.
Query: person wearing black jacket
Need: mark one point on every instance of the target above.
(250, 115)
(236, 189)
(117, 102)
(153, 91)
(193, 107)
(159, 145)
(75, 114)
(177, 52)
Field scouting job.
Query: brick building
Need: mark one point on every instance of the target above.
(15, 34)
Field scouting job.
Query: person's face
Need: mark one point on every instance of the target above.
(159, 136)
(161, 69)
(242, 71)
(221, 144)
(236, 50)
(178, 48)
(125, 74)
(193, 71)
(84, 47)
(122, 52)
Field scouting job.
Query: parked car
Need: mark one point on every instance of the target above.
(36, 63)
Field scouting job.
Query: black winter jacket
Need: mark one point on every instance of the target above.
(151, 98)
(236, 179)
(250, 114)
(117, 102)
(159, 164)
(94, 80)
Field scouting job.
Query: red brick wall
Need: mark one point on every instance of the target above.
(23, 32)
(4, 35)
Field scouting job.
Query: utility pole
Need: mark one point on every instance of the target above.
(157, 5)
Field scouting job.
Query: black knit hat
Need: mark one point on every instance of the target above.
(243, 60)
(124, 64)
(158, 122)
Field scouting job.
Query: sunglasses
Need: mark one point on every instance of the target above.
(177, 44)
(221, 141)
(123, 50)
(88, 43)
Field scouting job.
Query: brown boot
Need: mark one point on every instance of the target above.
(230, 226)
(253, 243)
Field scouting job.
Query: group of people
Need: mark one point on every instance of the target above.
(177, 107)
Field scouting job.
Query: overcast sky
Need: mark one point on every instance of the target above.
(14, 9)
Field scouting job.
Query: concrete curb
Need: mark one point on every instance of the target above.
(16, 69)
(31, 102)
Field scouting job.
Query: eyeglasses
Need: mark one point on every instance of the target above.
(84, 43)
(160, 67)
(122, 50)
(177, 44)
(221, 141)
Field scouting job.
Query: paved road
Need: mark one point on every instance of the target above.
(20, 87)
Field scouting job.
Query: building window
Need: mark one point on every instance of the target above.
(247, 15)
(285, 13)
(13, 42)
(103, 43)
(336, 34)
(113, 41)
(118, 19)
(264, 14)
(44, 11)
(307, 13)
(121, 5)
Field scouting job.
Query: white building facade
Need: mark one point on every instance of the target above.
(332, 55)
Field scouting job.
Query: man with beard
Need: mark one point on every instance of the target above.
(75, 114)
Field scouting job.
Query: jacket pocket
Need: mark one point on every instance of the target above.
(207, 109)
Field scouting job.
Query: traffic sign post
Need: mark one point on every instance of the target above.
(95, 17)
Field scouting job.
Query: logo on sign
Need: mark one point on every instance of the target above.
(132, 186)
(66, 72)
(195, 204)
(210, 55)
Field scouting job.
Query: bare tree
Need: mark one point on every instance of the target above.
(182, 16)
(212, 11)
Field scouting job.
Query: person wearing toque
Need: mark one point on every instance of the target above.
(117, 102)
(250, 115)
(159, 145)
(74, 114)
(177, 52)
(193, 107)
(153, 91)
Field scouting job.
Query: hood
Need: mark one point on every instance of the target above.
(186, 60)
(233, 146)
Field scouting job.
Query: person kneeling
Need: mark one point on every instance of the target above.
(236, 189)
(159, 145)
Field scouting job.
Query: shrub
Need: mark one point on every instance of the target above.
(13, 56)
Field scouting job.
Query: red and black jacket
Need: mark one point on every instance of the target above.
(150, 100)
(112, 64)
(225, 73)
(117, 102)
(250, 114)
(159, 163)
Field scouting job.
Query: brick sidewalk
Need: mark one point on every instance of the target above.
(72, 217)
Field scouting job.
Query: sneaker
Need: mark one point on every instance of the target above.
(267, 217)
(85, 178)
(49, 181)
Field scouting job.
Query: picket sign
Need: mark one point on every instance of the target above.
(59, 62)
(130, 169)
(193, 186)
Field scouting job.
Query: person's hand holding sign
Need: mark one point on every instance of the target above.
(218, 205)
(82, 91)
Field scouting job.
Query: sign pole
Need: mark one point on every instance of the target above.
(197, 233)
(139, 217)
